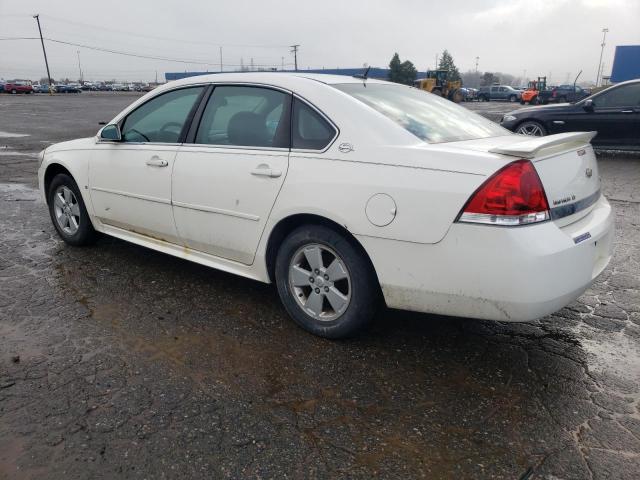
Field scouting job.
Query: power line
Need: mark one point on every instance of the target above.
(153, 37)
(135, 55)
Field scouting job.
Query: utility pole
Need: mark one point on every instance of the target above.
(220, 57)
(436, 67)
(477, 60)
(80, 67)
(282, 63)
(46, 62)
(604, 36)
(294, 50)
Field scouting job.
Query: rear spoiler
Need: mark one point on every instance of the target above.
(530, 147)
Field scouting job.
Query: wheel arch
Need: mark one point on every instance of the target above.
(286, 225)
(52, 170)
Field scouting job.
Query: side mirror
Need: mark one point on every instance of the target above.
(111, 133)
(588, 105)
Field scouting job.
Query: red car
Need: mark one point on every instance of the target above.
(18, 87)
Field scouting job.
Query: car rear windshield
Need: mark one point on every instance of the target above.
(428, 116)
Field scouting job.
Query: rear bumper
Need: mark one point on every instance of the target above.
(496, 273)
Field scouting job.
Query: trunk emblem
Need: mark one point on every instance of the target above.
(588, 172)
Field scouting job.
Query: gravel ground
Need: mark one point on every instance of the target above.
(120, 362)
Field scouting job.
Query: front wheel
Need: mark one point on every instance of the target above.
(325, 282)
(512, 98)
(531, 128)
(68, 212)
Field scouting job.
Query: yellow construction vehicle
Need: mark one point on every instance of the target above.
(438, 83)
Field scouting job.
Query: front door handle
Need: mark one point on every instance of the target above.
(628, 111)
(264, 170)
(157, 162)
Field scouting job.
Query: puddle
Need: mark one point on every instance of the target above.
(11, 153)
(13, 135)
(18, 191)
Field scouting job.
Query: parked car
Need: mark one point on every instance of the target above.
(1, 87)
(614, 113)
(18, 87)
(499, 92)
(71, 88)
(343, 191)
(103, 87)
(563, 94)
(40, 88)
(468, 94)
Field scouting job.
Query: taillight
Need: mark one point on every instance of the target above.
(514, 195)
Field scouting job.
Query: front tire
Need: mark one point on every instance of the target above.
(326, 284)
(531, 128)
(512, 98)
(68, 212)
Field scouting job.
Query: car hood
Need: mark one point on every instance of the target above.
(78, 144)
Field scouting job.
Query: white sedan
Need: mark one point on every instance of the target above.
(343, 191)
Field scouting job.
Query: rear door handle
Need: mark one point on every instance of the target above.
(157, 162)
(264, 170)
(628, 111)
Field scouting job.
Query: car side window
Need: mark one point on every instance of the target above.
(494, 89)
(245, 117)
(309, 131)
(623, 96)
(503, 89)
(162, 118)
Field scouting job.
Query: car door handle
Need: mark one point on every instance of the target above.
(157, 162)
(264, 170)
(628, 111)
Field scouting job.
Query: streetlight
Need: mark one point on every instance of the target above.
(604, 36)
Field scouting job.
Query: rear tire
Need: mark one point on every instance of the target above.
(326, 284)
(512, 98)
(68, 212)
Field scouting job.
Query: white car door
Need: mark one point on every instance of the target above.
(226, 182)
(130, 179)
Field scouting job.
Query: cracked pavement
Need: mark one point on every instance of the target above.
(121, 362)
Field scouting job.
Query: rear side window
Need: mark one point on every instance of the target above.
(309, 130)
(245, 117)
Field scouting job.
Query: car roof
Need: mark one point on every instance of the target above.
(284, 79)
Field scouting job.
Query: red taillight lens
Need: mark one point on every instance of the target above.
(514, 195)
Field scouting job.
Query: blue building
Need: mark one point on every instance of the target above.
(626, 63)
(381, 73)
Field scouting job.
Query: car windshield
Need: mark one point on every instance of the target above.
(429, 117)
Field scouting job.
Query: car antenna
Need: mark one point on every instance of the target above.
(364, 75)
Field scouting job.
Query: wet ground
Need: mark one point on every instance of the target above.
(120, 362)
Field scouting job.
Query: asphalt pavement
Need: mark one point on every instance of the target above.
(121, 362)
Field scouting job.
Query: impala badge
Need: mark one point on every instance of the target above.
(588, 172)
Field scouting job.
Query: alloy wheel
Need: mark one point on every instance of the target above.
(66, 209)
(320, 282)
(532, 129)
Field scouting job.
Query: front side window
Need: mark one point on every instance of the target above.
(429, 117)
(162, 118)
(624, 96)
(309, 130)
(246, 117)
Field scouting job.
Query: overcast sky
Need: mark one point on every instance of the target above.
(556, 37)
